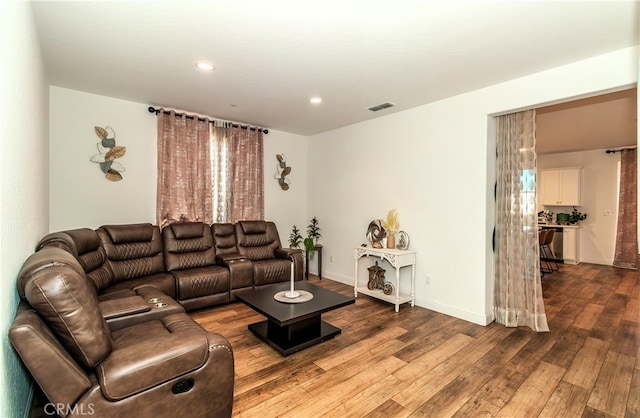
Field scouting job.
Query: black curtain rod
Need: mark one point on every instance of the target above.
(613, 151)
(234, 124)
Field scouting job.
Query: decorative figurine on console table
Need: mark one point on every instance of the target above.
(376, 233)
(376, 280)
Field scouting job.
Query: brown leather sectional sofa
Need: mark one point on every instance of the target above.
(102, 325)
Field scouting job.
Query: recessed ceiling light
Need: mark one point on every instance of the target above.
(316, 100)
(205, 66)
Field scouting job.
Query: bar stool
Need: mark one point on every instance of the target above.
(547, 252)
(542, 234)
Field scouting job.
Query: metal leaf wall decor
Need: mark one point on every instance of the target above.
(283, 171)
(108, 151)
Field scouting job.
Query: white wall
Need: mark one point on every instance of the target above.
(23, 180)
(286, 207)
(599, 193)
(82, 197)
(435, 163)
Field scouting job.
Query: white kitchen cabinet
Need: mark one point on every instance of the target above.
(570, 245)
(560, 187)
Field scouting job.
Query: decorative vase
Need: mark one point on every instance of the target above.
(391, 241)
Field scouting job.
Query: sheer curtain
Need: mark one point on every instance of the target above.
(184, 174)
(246, 165)
(221, 173)
(208, 171)
(626, 254)
(518, 297)
(237, 164)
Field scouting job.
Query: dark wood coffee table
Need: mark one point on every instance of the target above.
(291, 327)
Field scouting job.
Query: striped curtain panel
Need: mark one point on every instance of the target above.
(184, 173)
(518, 297)
(626, 253)
(237, 165)
(208, 171)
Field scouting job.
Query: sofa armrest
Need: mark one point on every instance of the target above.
(287, 252)
(116, 308)
(296, 257)
(57, 373)
(138, 367)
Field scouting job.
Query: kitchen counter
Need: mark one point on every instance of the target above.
(559, 226)
(566, 245)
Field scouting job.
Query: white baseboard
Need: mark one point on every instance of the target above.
(600, 261)
(480, 319)
(348, 280)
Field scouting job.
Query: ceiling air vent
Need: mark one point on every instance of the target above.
(381, 106)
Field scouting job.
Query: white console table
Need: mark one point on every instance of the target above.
(397, 259)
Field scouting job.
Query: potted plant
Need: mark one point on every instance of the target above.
(313, 234)
(310, 242)
(576, 216)
(295, 238)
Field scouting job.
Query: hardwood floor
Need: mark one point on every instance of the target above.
(420, 363)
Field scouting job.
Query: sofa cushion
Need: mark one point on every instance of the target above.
(253, 227)
(78, 241)
(224, 239)
(60, 293)
(86, 246)
(271, 271)
(86, 240)
(123, 234)
(132, 250)
(257, 240)
(185, 230)
(194, 283)
(188, 245)
(152, 353)
(164, 282)
(42, 260)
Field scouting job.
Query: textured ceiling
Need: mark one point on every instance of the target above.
(271, 56)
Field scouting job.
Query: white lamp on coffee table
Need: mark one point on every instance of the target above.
(292, 294)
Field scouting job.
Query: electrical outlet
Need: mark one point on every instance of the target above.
(427, 279)
(331, 259)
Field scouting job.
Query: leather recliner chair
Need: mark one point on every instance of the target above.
(259, 242)
(190, 256)
(120, 307)
(163, 367)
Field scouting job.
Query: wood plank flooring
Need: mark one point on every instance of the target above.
(419, 363)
